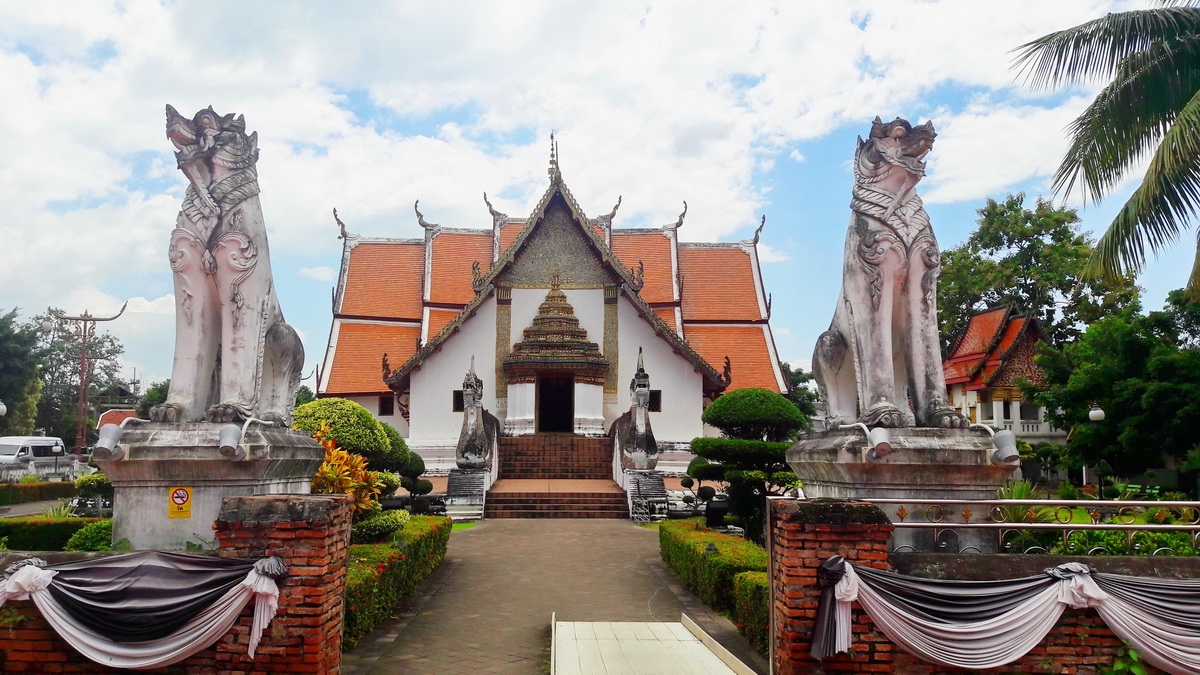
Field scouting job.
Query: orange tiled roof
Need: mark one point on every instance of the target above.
(718, 284)
(746, 346)
(1011, 331)
(438, 318)
(654, 250)
(667, 314)
(981, 331)
(508, 234)
(384, 280)
(358, 360)
(115, 416)
(451, 260)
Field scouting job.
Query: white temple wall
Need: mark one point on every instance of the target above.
(371, 403)
(682, 387)
(431, 402)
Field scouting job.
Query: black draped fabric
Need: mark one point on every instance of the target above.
(951, 601)
(143, 596)
(824, 643)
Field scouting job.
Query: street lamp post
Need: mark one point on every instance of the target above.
(85, 329)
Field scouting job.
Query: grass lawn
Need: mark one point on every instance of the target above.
(461, 526)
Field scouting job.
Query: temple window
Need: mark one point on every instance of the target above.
(656, 400)
(387, 406)
(458, 400)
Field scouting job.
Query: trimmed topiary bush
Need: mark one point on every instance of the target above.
(684, 543)
(96, 536)
(755, 413)
(751, 608)
(38, 533)
(16, 493)
(378, 575)
(93, 485)
(388, 483)
(378, 528)
(350, 424)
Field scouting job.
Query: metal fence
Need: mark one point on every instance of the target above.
(1083, 527)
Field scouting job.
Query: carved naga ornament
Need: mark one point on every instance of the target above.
(234, 355)
(881, 356)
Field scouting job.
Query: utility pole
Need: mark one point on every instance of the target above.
(85, 330)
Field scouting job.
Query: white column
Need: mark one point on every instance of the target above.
(997, 412)
(522, 399)
(589, 409)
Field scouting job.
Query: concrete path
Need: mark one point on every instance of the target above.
(27, 508)
(487, 610)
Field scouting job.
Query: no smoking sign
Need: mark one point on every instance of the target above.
(180, 503)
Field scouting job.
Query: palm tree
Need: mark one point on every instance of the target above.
(1150, 108)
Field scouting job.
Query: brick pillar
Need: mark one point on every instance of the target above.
(310, 533)
(803, 534)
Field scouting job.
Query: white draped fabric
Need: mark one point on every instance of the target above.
(939, 622)
(33, 582)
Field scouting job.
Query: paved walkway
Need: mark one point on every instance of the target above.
(488, 608)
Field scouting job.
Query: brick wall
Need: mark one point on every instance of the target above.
(310, 533)
(804, 533)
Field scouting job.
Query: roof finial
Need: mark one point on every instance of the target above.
(342, 227)
(754, 240)
(494, 212)
(553, 170)
(421, 218)
(678, 223)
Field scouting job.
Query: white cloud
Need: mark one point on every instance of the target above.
(317, 273)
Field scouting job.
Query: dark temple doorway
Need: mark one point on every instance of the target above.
(556, 403)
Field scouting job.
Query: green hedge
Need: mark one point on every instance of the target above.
(16, 493)
(683, 544)
(38, 533)
(378, 575)
(751, 608)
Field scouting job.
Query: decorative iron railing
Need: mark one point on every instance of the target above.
(1021, 525)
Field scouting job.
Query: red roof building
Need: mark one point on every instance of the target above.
(418, 310)
(986, 361)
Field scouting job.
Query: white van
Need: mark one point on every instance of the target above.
(24, 449)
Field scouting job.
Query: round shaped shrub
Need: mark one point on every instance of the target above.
(706, 492)
(95, 536)
(687, 482)
(351, 425)
(413, 467)
(94, 484)
(421, 506)
(421, 487)
(755, 414)
(378, 528)
(389, 483)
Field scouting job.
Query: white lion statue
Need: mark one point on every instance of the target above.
(880, 361)
(234, 356)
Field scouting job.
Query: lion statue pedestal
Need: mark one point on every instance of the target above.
(879, 365)
(236, 362)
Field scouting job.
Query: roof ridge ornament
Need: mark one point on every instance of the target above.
(757, 233)
(494, 212)
(678, 223)
(342, 227)
(421, 218)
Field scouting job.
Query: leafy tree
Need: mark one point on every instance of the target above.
(1137, 369)
(757, 425)
(1034, 259)
(19, 385)
(800, 393)
(155, 395)
(351, 425)
(1149, 109)
(58, 353)
(304, 395)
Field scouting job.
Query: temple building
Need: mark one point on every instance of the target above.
(986, 360)
(550, 311)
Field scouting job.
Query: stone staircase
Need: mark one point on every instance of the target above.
(556, 457)
(598, 502)
(465, 494)
(555, 476)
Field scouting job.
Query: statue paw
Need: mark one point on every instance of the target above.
(883, 415)
(947, 418)
(226, 413)
(277, 420)
(167, 412)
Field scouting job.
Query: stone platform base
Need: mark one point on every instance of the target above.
(924, 464)
(171, 482)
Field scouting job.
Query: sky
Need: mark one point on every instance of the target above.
(740, 109)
